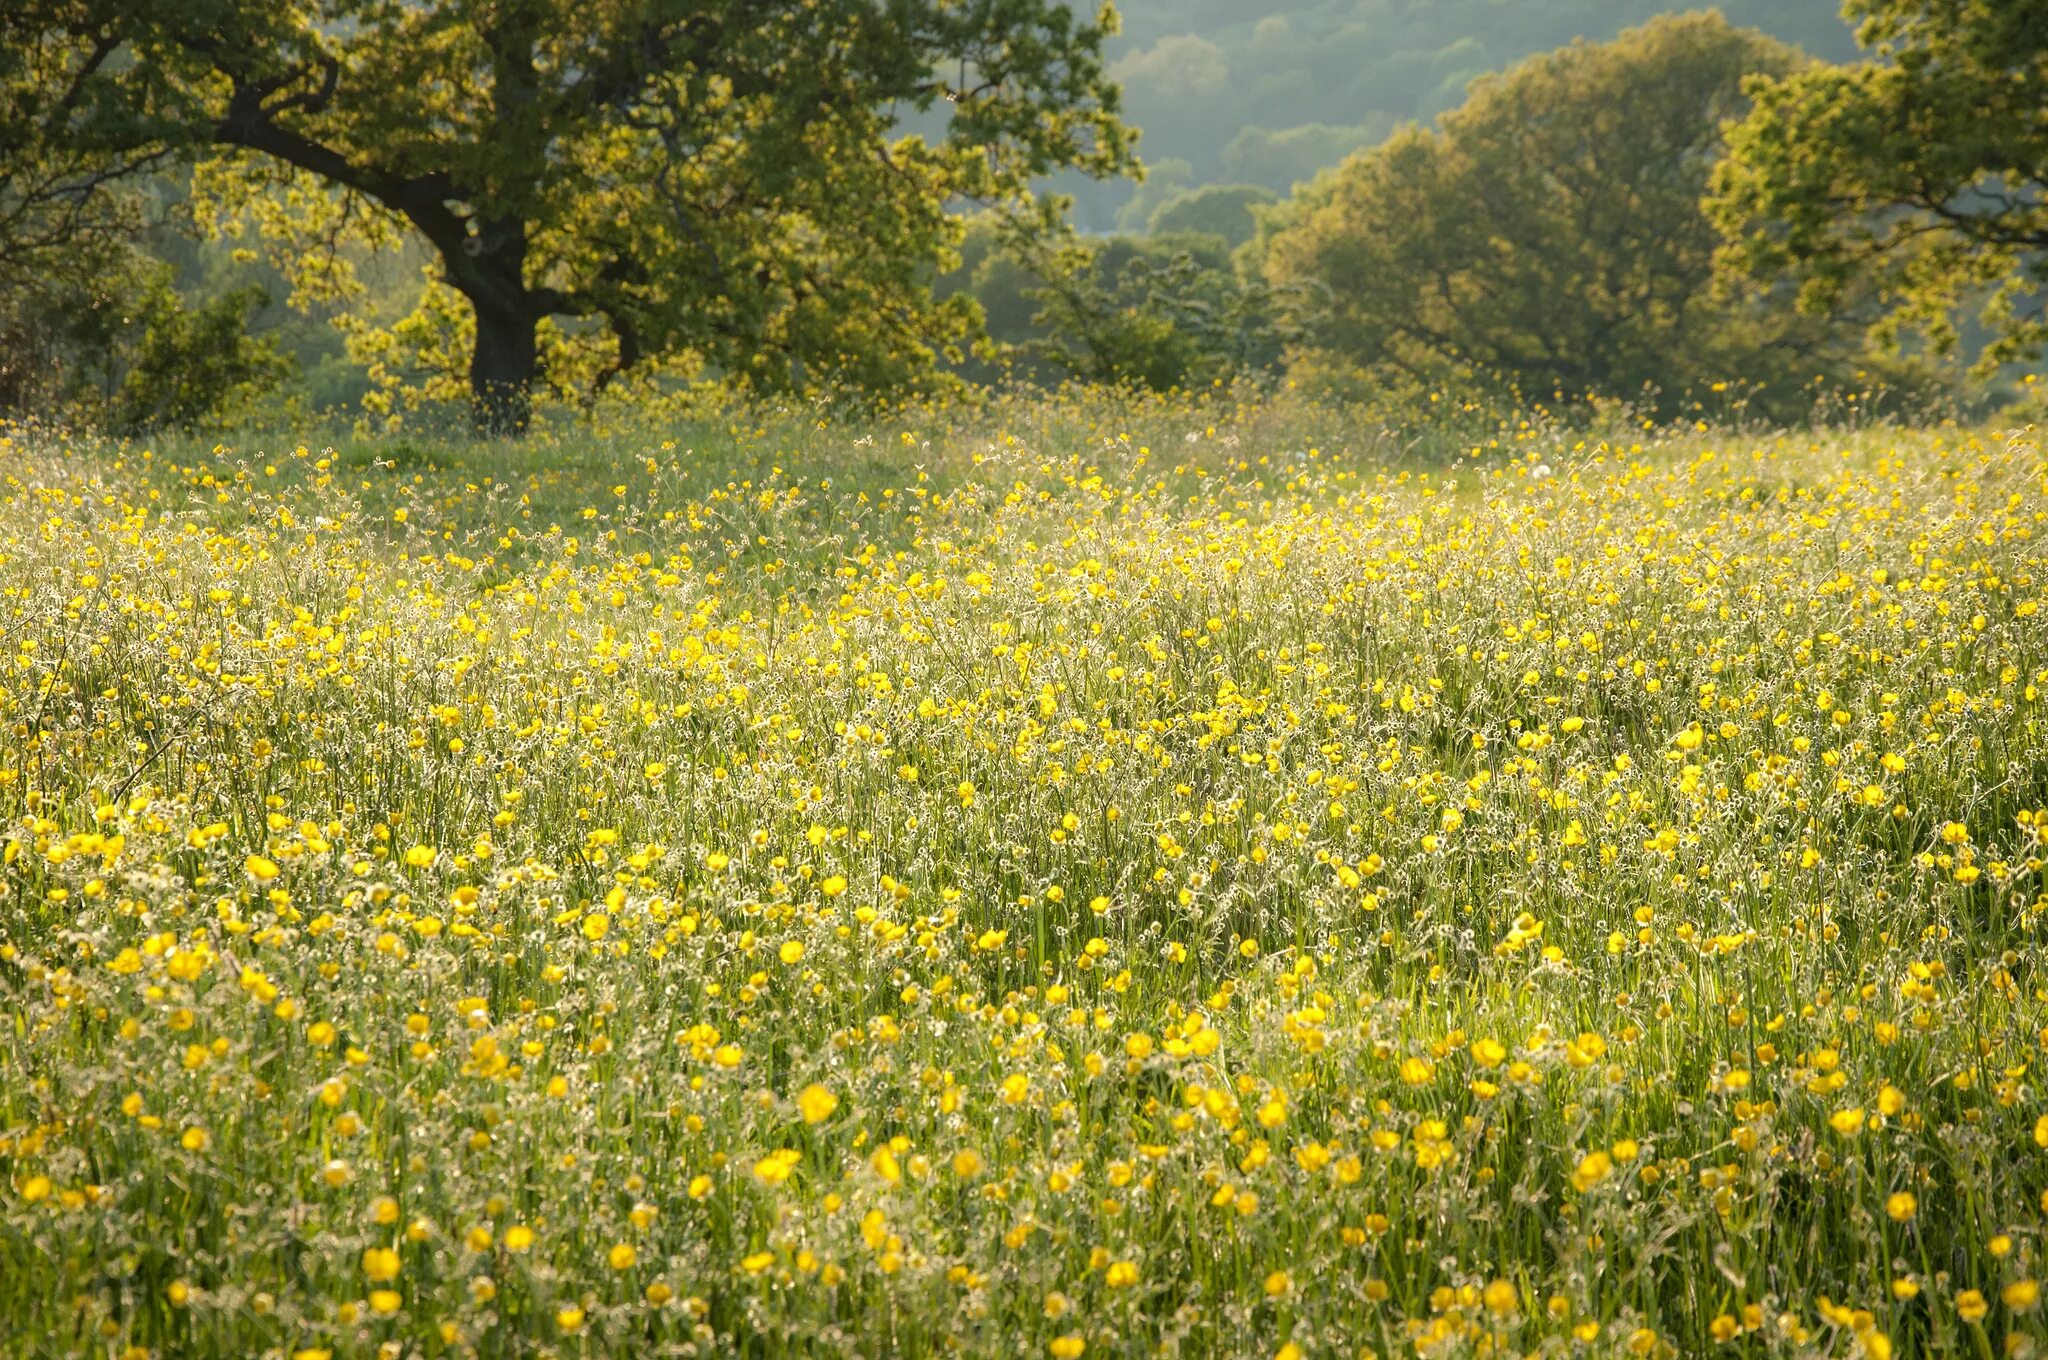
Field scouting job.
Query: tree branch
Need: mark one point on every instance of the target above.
(421, 199)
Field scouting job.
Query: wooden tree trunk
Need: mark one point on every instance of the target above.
(502, 369)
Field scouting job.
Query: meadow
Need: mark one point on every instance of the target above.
(1095, 878)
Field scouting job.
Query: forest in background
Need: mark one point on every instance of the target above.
(1271, 94)
(1388, 200)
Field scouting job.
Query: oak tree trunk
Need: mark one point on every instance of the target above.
(502, 369)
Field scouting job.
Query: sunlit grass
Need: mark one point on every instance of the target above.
(1085, 879)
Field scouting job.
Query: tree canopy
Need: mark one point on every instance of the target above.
(601, 184)
(1549, 234)
(1226, 211)
(1921, 174)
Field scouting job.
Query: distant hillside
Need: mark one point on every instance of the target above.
(1233, 91)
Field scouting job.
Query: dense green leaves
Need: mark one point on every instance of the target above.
(1920, 174)
(113, 345)
(1159, 318)
(1549, 236)
(1226, 211)
(718, 179)
(1163, 310)
(91, 327)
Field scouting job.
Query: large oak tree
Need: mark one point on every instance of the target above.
(732, 179)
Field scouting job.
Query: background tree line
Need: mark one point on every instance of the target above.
(1272, 94)
(485, 203)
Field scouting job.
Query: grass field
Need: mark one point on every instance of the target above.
(1077, 881)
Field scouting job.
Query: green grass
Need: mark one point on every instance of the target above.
(1245, 880)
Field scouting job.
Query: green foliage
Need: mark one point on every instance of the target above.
(1549, 237)
(67, 234)
(191, 367)
(1279, 160)
(714, 182)
(1918, 174)
(1159, 316)
(110, 344)
(1164, 179)
(1158, 311)
(1225, 211)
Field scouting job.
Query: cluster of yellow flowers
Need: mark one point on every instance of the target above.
(1109, 881)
